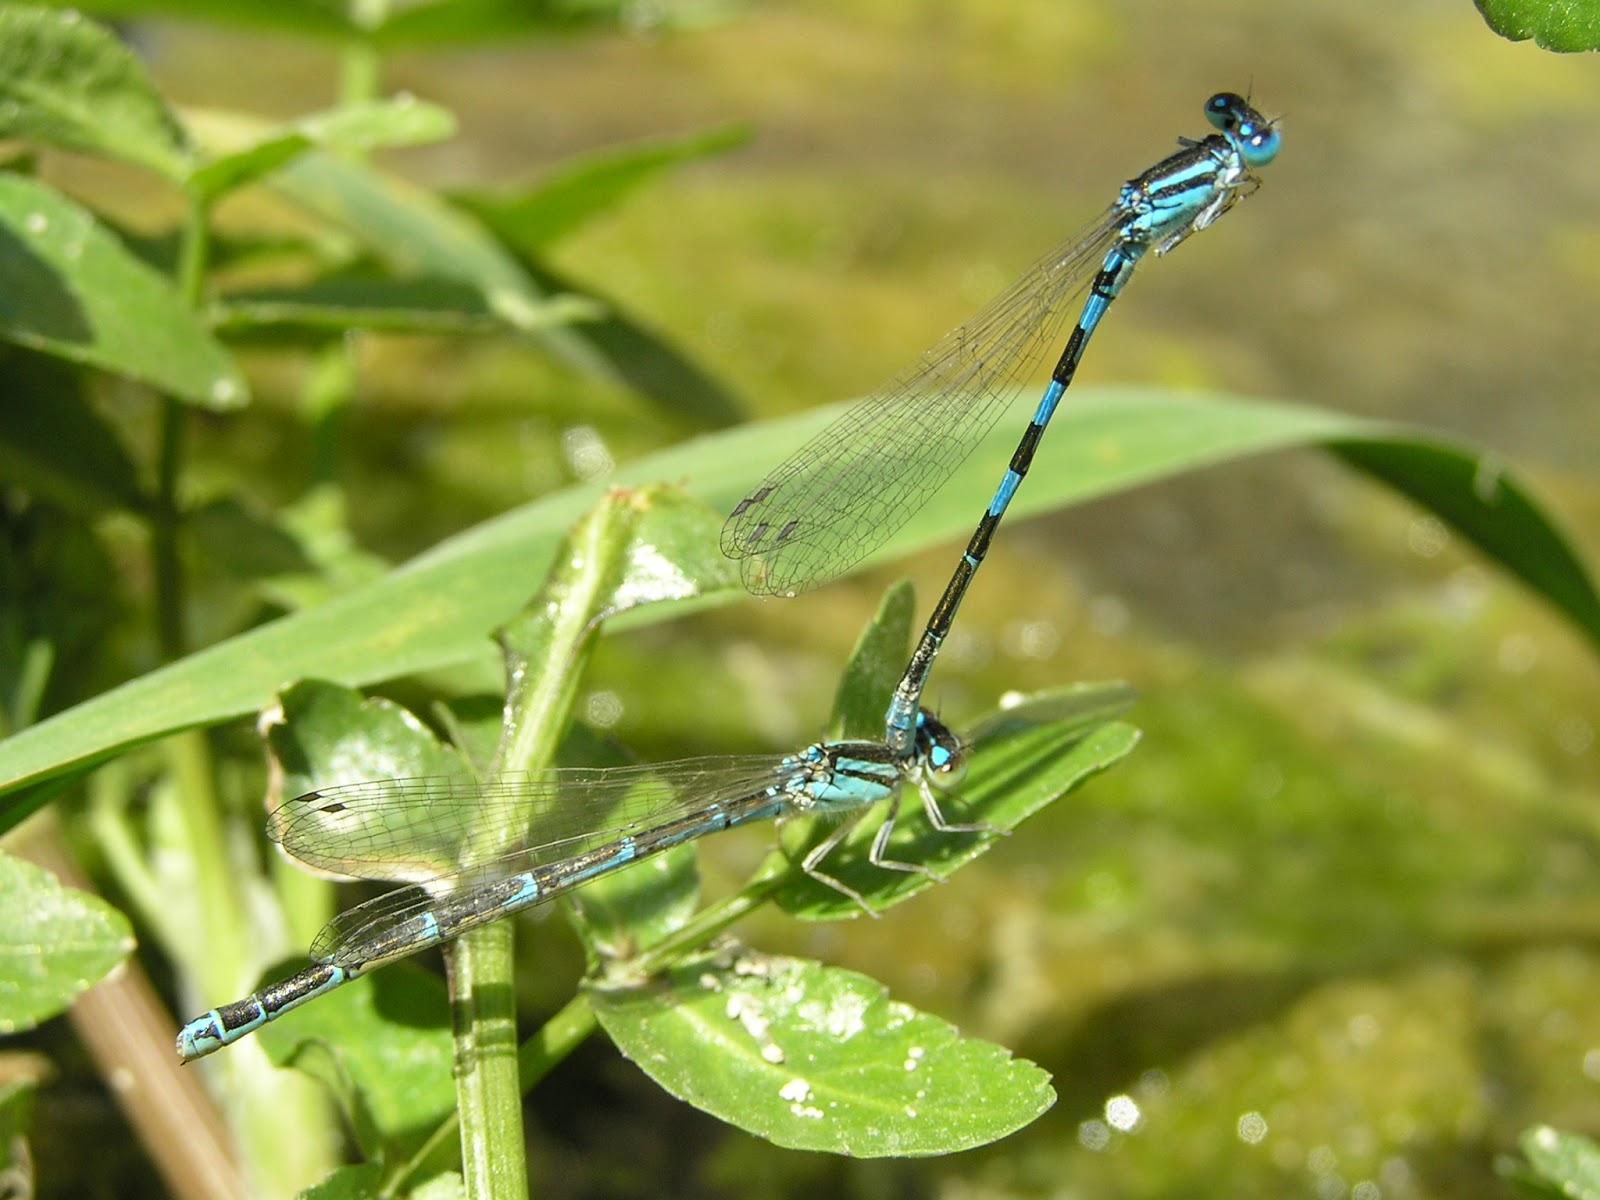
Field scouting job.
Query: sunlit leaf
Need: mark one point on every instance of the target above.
(67, 81)
(57, 943)
(816, 1058)
(382, 1046)
(1567, 1163)
(437, 609)
(1552, 24)
(402, 121)
(73, 290)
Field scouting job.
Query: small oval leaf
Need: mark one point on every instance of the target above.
(74, 291)
(56, 944)
(816, 1058)
(67, 81)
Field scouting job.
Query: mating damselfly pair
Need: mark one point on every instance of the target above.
(837, 499)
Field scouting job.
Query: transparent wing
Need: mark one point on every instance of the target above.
(847, 490)
(424, 829)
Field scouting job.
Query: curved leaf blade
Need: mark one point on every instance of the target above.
(74, 291)
(1552, 24)
(56, 944)
(816, 1058)
(437, 609)
(68, 82)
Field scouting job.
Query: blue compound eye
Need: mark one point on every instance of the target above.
(1258, 145)
(943, 756)
(1226, 111)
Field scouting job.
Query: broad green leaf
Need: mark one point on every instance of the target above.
(57, 943)
(1013, 773)
(403, 121)
(530, 218)
(291, 16)
(1552, 24)
(437, 609)
(360, 1181)
(326, 736)
(52, 441)
(73, 290)
(874, 667)
(340, 303)
(1568, 1162)
(816, 1058)
(381, 1045)
(66, 81)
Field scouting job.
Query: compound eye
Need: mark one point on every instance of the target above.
(949, 772)
(1226, 111)
(1258, 144)
(946, 759)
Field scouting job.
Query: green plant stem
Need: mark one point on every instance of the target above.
(538, 1056)
(483, 1009)
(194, 251)
(223, 929)
(164, 532)
(361, 64)
(167, 519)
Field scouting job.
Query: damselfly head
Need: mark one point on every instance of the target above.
(1255, 137)
(943, 756)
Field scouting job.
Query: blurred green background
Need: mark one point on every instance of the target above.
(1332, 931)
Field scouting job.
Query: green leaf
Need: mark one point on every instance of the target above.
(403, 121)
(52, 441)
(1552, 24)
(382, 1046)
(447, 1185)
(292, 16)
(1568, 1162)
(359, 1181)
(875, 667)
(404, 226)
(437, 609)
(432, 23)
(327, 736)
(57, 943)
(243, 544)
(417, 236)
(73, 291)
(530, 218)
(816, 1058)
(16, 1119)
(67, 81)
(1014, 771)
(1478, 495)
(635, 549)
(340, 303)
